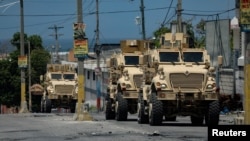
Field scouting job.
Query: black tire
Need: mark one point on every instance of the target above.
(121, 109)
(47, 105)
(142, 117)
(197, 120)
(42, 105)
(156, 113)
(73, 107)
(213, 113)
(109, 113)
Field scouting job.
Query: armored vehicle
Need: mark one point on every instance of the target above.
(60, 87)
(125, 80)
(178, 80)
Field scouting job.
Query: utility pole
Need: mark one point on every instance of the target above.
(81, 113)
(24, 108)
(245, 28)
(98, 51)
(55, 28)
(179, 18)
(29, 72)
(143, 20)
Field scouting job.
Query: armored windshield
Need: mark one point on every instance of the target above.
(177, 43)
(131, 60)
(169, 56)
(193, 56)
(69, 76)
(56, 76)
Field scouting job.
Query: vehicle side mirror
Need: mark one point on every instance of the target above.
(108, 63)
(220, 60)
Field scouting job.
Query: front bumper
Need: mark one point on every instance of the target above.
(164, 95)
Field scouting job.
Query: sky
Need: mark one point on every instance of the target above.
(116, 17)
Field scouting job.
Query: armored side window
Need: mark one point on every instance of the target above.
(193, 56)
(177, 43)
(169, 56)
(56, 76)
(131, 60)
(69, 76)
(167, 43)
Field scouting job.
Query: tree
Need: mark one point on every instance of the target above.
(10, 81)
(10, 72)
(39, 60)
(158, 33)
(200, 32)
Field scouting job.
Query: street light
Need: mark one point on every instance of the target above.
(138, 22)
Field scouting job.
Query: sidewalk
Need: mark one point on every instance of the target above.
(234, 117)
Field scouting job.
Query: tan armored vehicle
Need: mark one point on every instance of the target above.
(60, 87)
(125, 80)
(178, 80)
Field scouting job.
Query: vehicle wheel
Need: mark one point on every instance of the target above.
(142, 117)
(121, 108)
(197, 120)
(47, 105)
(155, 110)
(213, 113)
(42, 105)
(109, 114)
(73, 107)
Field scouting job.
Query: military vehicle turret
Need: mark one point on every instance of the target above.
(125, 80)
(178, 81)
(60, 87)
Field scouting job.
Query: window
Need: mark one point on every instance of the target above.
(193, 56)
(69, 76)
(93, 75)
(177, 43)
(131, 60)
(169, 56)
(88, 74)
(56, 76)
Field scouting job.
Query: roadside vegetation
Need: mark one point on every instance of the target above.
(10, 87)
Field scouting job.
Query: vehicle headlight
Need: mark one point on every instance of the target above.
(209, 86)
(128, 86)
(163, 86)
(126, 78)
(76, 90)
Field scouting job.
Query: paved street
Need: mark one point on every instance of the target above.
(61, 126)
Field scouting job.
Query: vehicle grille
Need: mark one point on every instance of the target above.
(64, 89)
(137, 80)
(183, 81)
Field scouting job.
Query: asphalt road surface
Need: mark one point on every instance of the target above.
(63, 127)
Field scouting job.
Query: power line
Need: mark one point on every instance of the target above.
(56, 35)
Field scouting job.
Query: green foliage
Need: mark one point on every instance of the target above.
(35, 42)
(39, 60)
(10, 81)
(158, 33)
(10, 84)
(15, 41)
(200, 34)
